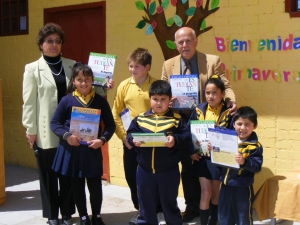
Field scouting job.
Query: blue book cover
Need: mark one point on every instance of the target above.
(85, 123)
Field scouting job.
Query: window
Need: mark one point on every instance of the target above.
(292, 7)
(13, 17)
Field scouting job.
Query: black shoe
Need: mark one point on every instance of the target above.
(87, 221)
(188, 216)
(53, 222)
(66, 222)
(97, 221)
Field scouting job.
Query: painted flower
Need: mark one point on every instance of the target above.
(173, 2)
(199, 3)
(159, 9)
(148, 1)
(154, 24)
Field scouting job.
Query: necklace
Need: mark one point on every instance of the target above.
(56, 74)
(52, 63)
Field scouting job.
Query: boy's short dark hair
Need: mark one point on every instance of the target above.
(160, 87)
(140, 56)
(245, 112)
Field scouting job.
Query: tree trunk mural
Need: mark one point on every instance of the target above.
(185, 16)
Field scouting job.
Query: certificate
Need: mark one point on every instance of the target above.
(150, 139)
(125, 117)
(224, 143)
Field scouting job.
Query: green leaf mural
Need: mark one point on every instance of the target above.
(171, 44)
(214, 4)
(203, 25)
(140, 5)
(178, 20)
(170, 21)
(165, 4)
(152, 8)
(190, 11)
(141, 24)
(149, 29)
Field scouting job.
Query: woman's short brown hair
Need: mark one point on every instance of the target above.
(48, 29)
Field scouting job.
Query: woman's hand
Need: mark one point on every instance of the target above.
(73, 140)
(171, 141)
(95, 144)
(31, 139)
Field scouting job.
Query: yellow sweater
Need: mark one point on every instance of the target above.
(136, 99)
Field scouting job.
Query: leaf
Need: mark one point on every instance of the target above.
(170, 44)
(165, 4)
(141, 24)
(178, 20)
(184, 1)
(170, 21)
(214, 4)
(149, 29)
(140, 5)
(190, 11)
(203, 25)
(152, 8)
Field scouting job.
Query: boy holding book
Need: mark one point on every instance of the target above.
(236, 194)
(133, 94)
(158, 173)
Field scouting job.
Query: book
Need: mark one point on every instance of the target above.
(224, 143)
(186, 90)
(85, 123)
(103, 66)
(125, 117)
(150, 139)
(199, 131)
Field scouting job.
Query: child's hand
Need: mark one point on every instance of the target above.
(196, 157)
(110, 84)
(127, 144)
(136, 143)
(73, 140)
(95, 144)
(209, 146)
(172, 101)
(171, 142)
(239, 159)
(198, 143)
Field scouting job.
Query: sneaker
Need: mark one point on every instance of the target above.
(66, 220)
(161, 219)
(53, 222)
(133, 220)
(97, 221)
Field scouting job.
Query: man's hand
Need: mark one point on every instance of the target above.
(196, 157)
(233, 107)
(31, 139)
(73, 140)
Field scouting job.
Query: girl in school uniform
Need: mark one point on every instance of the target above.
(82, 162)
(214, 109)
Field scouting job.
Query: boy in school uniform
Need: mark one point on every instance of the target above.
(133, 94)
(158, 173)
(236, 194)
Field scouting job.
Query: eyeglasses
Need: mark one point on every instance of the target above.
(51, 42)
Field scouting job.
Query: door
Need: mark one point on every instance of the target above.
(84, 28)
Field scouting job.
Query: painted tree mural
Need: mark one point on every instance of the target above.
(185, 16)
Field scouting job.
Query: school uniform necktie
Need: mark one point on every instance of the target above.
(187, 68)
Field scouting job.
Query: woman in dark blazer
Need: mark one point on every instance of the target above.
(44, 84)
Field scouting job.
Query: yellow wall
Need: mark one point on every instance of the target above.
(275, 102)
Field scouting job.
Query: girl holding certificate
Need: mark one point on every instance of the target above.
(82, 162)
(214, 109)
